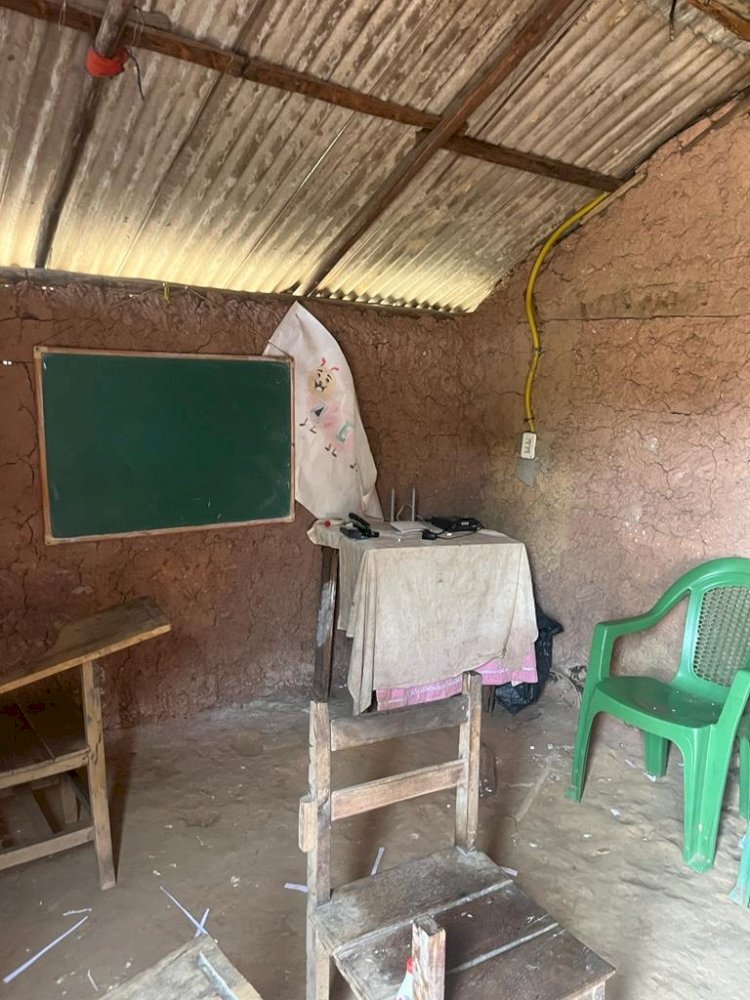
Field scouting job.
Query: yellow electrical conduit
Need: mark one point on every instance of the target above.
(530, 309)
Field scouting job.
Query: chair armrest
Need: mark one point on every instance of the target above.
(739, 693)
(606, 634)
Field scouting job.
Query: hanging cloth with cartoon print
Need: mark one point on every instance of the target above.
(335, 472)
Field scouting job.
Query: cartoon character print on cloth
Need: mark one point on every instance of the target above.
(326, 413)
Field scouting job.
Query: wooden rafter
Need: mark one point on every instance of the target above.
(532, 163)
(725, 16)
(238, 65)
(108, 34)
(485, 81)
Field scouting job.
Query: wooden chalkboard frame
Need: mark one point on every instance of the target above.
(39, 354)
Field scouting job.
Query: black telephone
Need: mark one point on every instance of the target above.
(358, 528)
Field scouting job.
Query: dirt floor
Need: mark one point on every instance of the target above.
(207, 808)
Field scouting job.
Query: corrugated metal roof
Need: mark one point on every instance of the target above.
(216, 181)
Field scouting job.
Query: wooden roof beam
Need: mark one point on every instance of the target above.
(725, 16)
(535, 27)
(108, 34)
(240, 66)
(532, 163)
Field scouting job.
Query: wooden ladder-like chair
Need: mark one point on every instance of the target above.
(472, 928)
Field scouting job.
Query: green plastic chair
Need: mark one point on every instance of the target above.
(700, 710)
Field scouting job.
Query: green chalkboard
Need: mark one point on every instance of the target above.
(135, 443)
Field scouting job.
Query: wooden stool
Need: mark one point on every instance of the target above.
(37, 746)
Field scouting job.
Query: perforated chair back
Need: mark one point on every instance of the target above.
(723, 635)
(717, 628)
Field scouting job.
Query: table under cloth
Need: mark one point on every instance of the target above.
(420, 613)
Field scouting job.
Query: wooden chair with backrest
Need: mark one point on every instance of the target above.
(50, 740)
(458, 912)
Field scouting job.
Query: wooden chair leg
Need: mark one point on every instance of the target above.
(318, 985)
(326, 627)
(467, 792)
(428, 952)
(97, 776)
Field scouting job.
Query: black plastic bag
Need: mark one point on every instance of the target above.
(518, 697)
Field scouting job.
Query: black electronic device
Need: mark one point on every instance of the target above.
(358, 528)
(451, 525)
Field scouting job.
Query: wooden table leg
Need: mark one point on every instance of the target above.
(97, 775)
(326, 624)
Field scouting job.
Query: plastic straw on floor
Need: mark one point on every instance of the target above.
(30, 961)
(202, 926)
(198, 926)
(378, 859)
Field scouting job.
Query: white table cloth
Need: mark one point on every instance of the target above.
(421, 611)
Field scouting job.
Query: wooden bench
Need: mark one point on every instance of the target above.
(476, 934)
(42, 743)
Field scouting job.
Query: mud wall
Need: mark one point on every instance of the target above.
(242, 601)
(642, 398)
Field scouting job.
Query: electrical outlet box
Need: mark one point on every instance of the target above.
(528, 445)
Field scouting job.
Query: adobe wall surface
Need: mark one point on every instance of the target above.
(242, 601)
(642, 397)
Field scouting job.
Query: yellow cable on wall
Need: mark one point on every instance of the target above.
(531, 310)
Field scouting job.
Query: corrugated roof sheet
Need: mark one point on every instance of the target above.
(216, 181)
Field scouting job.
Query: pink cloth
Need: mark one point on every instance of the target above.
(493, 673)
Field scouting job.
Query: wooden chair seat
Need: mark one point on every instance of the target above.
(392, 897)
(198, 970)
(498, 944)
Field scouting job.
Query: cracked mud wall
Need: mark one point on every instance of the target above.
(242, 601)
(642, 398)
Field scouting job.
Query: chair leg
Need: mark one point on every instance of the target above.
(318, 985)
(97, 776)
(580, 754)
(741, 892)
(744, 776)
(706, 768)
(656, 752)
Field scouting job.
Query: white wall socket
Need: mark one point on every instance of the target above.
(528, 445)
